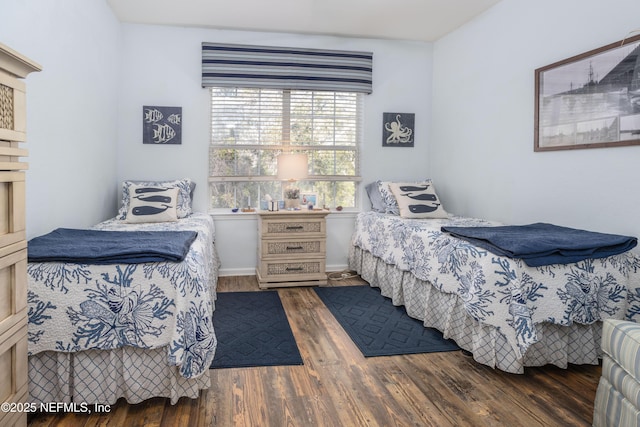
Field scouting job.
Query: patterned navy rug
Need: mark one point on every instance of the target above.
(253, 330)
(378, 327)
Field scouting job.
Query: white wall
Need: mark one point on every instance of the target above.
(481, 154)
(71, 108)
(84, 126)
(162, 66)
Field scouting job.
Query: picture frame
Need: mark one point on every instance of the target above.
(307, 199)
(398, 129)
(591, 100)
(161, 125)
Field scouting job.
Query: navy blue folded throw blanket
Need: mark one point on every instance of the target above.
(544, 244)
(110, 247)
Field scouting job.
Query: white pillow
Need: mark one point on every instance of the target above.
(389, 199)
(417, 200)
(152, 204)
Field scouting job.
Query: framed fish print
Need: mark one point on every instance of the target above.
(161, 125)
(590, 100)
(398, 129)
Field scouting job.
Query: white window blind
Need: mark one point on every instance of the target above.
(251, 126)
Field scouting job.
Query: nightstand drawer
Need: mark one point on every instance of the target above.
(292, 247)
(293, 227)
(291, 270)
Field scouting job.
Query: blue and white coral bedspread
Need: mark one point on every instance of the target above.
(75, 307)
(499, 291)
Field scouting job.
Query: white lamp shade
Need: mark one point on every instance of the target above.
(292, 167)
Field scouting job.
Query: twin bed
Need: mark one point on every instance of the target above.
(102, 329)
(508, 314)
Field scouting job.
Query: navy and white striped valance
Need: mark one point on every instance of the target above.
(285, 68)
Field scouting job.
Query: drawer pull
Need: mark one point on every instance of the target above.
(294, 248)
(294, 227)
(294, 268)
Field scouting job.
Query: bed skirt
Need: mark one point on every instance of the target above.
(557, 345)
(104, 376)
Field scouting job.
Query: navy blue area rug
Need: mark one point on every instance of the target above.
(253, 330)
(378, 327)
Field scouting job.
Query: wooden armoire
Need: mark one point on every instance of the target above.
(13, 244)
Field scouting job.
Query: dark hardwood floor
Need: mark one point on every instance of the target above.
(337, 386)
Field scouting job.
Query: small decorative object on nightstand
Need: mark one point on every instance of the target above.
(292, 248)
(291, 198)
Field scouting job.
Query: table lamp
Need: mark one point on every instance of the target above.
(292, 168)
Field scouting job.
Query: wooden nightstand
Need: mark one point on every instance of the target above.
(292, 249)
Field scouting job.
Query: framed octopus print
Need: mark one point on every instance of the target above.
(398, 129)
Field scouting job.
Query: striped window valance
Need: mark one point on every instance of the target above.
(285, 68)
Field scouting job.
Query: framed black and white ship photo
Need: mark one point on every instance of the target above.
(590, 100)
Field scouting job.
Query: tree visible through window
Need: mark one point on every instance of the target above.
(251, 126)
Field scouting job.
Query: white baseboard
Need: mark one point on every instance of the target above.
(237, 272)
(334, 268)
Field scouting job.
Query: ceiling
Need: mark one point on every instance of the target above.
(421, 20)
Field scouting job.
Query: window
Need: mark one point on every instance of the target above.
(251, 126)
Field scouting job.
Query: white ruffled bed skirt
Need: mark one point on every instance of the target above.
(103, 376)
(557, 345)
